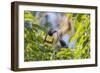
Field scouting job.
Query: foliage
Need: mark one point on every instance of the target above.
(36, 50)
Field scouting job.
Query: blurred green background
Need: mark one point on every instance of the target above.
(34, 34)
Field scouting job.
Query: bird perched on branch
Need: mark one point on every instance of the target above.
(60, 27)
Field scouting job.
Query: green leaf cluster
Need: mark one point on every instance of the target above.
(36, 50)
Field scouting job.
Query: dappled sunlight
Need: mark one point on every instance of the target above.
(56, 36)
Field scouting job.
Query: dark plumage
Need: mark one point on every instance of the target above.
(51, 32)
(63, 44)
